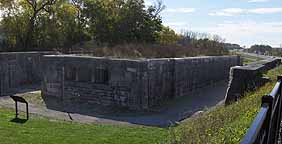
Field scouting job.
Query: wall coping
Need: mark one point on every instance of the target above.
(256, 65)
(135, 59)
(29, 52)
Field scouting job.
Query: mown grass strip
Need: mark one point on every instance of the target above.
(44, 131)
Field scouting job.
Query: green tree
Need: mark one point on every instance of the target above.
(122, 21)
(42, 24)
(20, 21)
(34, 8)
(167, 36)
(69, 26)
(263, 49)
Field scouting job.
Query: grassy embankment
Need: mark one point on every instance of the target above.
(224, 124)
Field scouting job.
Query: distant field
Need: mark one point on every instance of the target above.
(43, 131)
(247, 59)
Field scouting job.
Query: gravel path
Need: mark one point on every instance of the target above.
(175, 112)
(7, 102)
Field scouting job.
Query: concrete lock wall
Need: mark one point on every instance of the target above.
(195, 73)
(247, 78)
(19, 69)
(135, 84)
(102, 81)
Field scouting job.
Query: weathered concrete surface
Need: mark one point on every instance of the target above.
(247, 78)
(140, 84)
(18, 69)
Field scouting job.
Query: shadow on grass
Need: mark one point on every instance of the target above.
(19, 120)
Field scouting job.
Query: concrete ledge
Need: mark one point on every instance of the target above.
(248, 78)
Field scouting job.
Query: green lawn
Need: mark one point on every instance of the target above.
(40, 130)
(224, 124)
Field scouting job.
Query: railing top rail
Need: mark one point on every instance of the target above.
(275, 95)
(259, 128)
(256, 126)
(275, 90)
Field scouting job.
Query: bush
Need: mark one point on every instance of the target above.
(151, 51)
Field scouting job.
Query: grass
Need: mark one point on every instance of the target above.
(224, 124)
(39, 130)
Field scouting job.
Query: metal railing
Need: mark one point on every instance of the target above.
(265, 129)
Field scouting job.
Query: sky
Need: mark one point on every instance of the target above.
(245, 22)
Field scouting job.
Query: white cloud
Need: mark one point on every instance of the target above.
(248, 32)
(256, 1)
(244, 33)
(228, 12)
(274, 24)
(180, 24)
(181, 10)
(148, 2)
(266, 10)
(239, 11)
(177, 26)
(249, 27)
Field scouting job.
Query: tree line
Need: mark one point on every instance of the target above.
(29, 24)
(65, 24)
(264, 50)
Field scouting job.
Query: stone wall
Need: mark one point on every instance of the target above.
(135, 84)
(195, 73)
(75, 79)
(247, 78)
(19, 69)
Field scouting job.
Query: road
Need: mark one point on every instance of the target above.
(259, 56)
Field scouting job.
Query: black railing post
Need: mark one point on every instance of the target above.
(279, 78)
(267, 99)
(27, 112)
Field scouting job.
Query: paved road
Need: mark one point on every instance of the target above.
(175, 112)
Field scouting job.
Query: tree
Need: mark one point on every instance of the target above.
(122, 21)
(12, 23)
(42, 24)
(69, 24)
(262, 49)
(167, 36)
(20, 20)
(37, 7)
